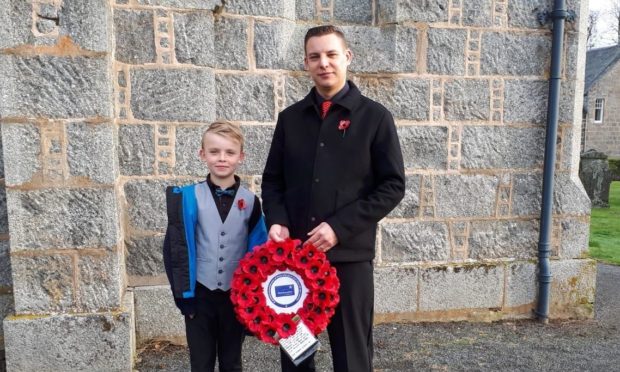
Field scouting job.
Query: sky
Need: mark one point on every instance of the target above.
(605, 36)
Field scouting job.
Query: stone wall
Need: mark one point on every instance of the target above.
(605, 136)
(71, 307)
(107, 101)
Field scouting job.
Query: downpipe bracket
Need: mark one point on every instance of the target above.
(546, 16)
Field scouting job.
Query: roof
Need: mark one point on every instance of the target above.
(598, 61)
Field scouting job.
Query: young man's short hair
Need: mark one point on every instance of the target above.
(324, 30)
(225, 129)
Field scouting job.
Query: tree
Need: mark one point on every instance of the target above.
(615, 11)
(591, 31)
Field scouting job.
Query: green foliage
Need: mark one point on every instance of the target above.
(605, 229)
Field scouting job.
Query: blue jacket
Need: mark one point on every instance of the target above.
(180, 244)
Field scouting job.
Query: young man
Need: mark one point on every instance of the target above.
(334, 170)
(211, 225)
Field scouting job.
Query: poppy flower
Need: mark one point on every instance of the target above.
(301, 260)
(262, 258)
(289, 261)
(321, 323)
(285, 325)
(321, 298)
(329, 312)
(310, 321)
(249, 281)
(246, 299)
(327, 283)
(241, 204)
(268, 333)
(279, 254)
(343, 125)
(302, 257)
(315, 270)
(255, 323)
(250, 267)
(248, 312)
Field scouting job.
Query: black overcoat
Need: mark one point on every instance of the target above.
(349, 178)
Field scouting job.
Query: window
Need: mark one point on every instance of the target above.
(599, 106)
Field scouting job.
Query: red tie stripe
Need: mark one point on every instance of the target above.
(324, 108)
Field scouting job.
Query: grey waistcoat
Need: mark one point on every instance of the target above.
(220, 246)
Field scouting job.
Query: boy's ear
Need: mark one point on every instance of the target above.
(241, 156)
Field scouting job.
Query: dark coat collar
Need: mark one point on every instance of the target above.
(350, 101)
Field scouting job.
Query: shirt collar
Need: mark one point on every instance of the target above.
(341, 93)
(213, 186)
(348, 101)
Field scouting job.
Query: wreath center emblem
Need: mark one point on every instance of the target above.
(285, 291)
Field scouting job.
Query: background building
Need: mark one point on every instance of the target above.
(601, 111)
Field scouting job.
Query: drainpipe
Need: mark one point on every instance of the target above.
(558, 16)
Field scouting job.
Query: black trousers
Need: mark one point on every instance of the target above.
(214, 331)
(350, 329)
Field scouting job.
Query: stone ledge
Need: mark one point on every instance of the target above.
(154, 304)
(71, 342)
(572, 289)
(470, 315)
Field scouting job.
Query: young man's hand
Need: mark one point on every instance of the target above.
(322, 237)
(278, 233)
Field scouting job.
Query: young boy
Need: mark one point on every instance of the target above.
(211, 225)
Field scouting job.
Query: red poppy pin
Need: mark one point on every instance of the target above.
(343, 125)
(241, 204)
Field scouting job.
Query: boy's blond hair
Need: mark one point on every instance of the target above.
(225, 129)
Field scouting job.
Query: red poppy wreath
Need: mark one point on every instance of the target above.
(278, 283)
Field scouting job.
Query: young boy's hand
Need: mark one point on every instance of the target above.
(278, 233)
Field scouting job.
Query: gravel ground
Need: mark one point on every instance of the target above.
(460, 346)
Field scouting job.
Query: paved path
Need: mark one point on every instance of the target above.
(503, 346)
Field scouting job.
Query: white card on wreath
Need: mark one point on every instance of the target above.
(300, 345)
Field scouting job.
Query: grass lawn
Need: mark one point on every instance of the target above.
(605, 229)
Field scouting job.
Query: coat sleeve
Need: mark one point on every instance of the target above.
(173, 236)
(272, 186)
(389, 173)
(187, 306)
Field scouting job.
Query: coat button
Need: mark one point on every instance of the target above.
(220, 271)
(219, 284)
(322, 144)
(316, 180)
(312, 219)
(223, 233)
(222, 246)
(221, 259)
